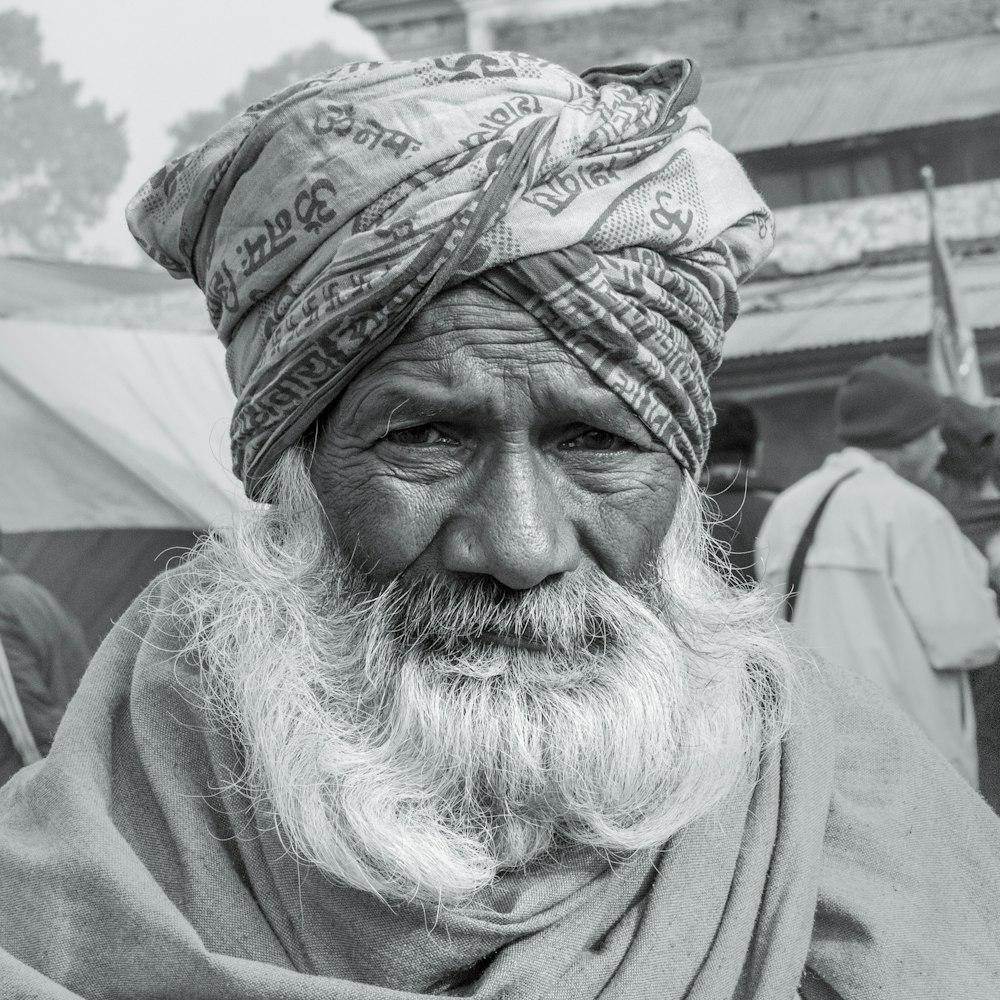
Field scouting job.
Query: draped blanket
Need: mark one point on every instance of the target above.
(319, 221)
(125, 873)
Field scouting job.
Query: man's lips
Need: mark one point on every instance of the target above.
(513, 641)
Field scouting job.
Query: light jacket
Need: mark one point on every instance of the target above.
(892, 590)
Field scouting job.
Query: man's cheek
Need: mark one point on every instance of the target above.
(628, 528)
(384, 526)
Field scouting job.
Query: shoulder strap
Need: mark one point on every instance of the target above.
(798, 562)
(12, 714)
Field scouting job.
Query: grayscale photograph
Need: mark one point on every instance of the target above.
(499, 499)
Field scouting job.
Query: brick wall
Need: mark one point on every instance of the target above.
(732, 32)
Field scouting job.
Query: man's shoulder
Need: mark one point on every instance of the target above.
(862, 481)
(909, 502)
(804, 493)
(156, 604)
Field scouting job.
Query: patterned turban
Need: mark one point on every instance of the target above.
(320, 221)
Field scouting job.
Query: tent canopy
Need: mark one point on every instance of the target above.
(108, 428)
(115, 453)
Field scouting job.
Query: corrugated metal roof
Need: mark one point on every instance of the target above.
(856, 94)
(860, 305)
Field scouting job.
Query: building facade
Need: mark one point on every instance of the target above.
(833, 109)
(718, 33)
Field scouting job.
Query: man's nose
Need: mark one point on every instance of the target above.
(514, 525)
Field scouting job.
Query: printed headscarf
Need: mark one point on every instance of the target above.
(320, 221)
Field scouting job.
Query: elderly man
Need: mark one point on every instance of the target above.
(464, 709)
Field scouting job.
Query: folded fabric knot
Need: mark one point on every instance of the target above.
(319, 221)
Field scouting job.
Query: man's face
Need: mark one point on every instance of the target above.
(932, 447)
(506, 648)
(477, 446)
(919, 458)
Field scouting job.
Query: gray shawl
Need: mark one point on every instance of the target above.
(123, 873)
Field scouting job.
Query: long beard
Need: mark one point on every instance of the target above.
(400, 746)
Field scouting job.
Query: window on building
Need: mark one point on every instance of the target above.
(873, 175)
(782, 187)
(829, 182)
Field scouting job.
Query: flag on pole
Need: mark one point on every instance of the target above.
(954, 361)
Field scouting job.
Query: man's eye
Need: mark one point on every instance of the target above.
(422, 436)
(598, 440)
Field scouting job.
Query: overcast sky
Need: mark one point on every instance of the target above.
(157, 59)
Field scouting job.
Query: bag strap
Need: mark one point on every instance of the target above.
(798, 563)
(12, 714)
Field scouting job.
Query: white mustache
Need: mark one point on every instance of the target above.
(442, 615)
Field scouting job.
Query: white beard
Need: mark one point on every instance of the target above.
(402, 754)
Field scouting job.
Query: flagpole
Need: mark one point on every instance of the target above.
(927, 176)
(953, 359)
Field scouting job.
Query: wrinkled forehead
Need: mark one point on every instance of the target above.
(471, 304)
(474, 349)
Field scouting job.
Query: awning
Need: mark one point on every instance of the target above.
(857, 305)
(772, 105)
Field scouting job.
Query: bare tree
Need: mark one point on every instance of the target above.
(60, 159)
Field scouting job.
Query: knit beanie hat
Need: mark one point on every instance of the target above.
(884, 403)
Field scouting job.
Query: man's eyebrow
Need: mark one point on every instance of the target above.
(385, 401)
(602, 407)
(589, 406)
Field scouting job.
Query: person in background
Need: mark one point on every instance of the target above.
(729, 478)
(965, 481)
(965, 478)
(879, 578)
(42, 659)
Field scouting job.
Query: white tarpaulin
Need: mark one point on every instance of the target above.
(109, 428)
